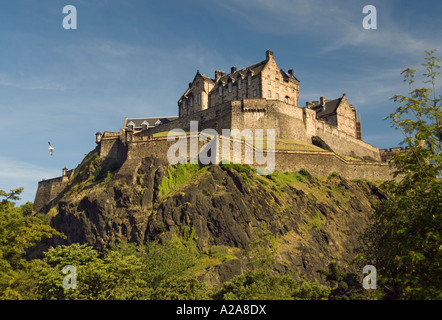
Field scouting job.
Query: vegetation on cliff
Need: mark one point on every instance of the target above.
(406, 237)
(224, 232)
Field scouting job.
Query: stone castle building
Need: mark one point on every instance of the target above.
(264, 96)
(261, 96)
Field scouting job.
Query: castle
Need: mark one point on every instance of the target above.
(322, 137)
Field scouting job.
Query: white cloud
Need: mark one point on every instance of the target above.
(31, 82)
(334, 25)
(15, 173)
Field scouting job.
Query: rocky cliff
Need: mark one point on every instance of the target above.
(314, 219)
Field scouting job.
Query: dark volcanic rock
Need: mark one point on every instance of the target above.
(315, 220)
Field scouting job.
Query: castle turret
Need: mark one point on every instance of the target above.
(98, 137)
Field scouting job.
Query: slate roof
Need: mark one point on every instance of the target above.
(329, 110)
(254, 69)
(138, 122)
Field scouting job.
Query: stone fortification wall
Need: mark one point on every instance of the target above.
(317, 163)
(344, 144)
(130, 152)
(388, 154)
(48, 190)
(289, 122)
(286, 119)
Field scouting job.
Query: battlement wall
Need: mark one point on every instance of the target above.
(49, 189)
(342, 143)
(318, 163)
(388, 154)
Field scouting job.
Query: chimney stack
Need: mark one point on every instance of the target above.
(291, 72)
(269, 53)
(322, 101)
(219, 74)
(233, 69)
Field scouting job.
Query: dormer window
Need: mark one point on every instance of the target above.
(239, 83)
(191, 102)
(131, 125)
(145, 125)
(157, 123)
(184, 105)
(249, 79)
(220, 90)
(230, 87)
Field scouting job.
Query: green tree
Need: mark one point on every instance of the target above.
(167, 259)
(346, 285)
(117, 276)
(181, 288)
(406, 235)
(258, 285)
(19, 231)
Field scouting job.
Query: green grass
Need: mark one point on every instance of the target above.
(286, 178)
(177, 176)
(316, 221)
(213, 256)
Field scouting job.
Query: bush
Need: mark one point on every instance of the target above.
(241, 168)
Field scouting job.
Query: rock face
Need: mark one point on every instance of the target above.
(314, 219)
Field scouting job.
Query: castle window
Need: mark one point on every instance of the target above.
(269, 94)
(145, 125)
(220, 91)
(268, 80)
(277, 96)
(191, 102)
(255, 93)
(131, 125)
(230, 87)
(244, 96)
(239, 83)
(277, 83)
(249, 78)
(184, 105)
(198, 99)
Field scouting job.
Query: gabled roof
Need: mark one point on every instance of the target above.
(138, 122)
(198, 74)
(330, 108)
(254, 69)
(206, 78)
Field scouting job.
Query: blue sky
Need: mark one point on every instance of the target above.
(135, 58)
